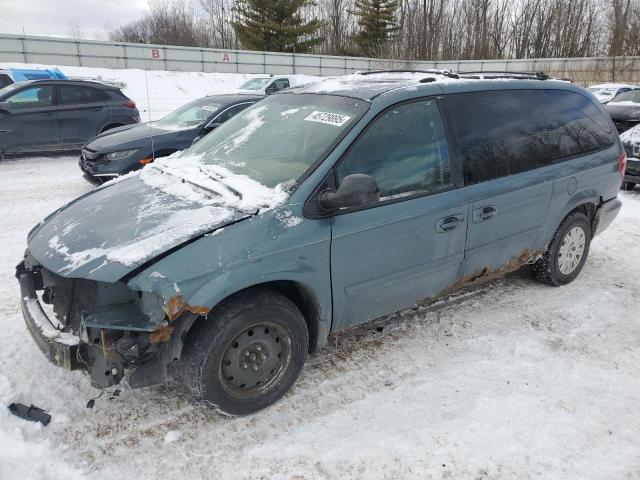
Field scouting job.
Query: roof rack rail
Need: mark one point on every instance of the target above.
(446, 73)
(505, 74)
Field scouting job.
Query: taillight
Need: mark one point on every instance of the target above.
(622, 163)
(130, 104)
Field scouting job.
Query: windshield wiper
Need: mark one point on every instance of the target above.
(219, 178)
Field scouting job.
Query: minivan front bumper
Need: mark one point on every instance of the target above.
(61, 348)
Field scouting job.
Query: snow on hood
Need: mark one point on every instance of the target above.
(624, 103)
(115, 229)
(632, 135)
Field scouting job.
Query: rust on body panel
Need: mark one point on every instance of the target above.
(486, 274)
(177, 305)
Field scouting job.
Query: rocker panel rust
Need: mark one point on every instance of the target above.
(487, 274)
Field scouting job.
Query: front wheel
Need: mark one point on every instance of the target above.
(247, 354)
(567, 252)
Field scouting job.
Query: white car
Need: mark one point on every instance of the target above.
(607, 91)
(268, 84)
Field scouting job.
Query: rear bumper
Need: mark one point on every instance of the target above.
(60, 348)
(607, 212)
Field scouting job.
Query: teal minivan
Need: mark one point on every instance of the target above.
(314, 210)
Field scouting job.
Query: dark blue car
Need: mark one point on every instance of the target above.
(38, 116)
(123, 150)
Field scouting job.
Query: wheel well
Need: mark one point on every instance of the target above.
(589, 210)
(110, 126)
(304, 298)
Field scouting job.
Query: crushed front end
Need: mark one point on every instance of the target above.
(102, 328)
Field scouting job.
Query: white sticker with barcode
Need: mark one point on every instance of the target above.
(329, 118)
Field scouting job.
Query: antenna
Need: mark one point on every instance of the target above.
(146, 81)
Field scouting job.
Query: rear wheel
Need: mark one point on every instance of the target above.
(247, 354)
(628, 186)
(567, 252)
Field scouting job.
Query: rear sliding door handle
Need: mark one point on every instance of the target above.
(449, 223)
(484, 213)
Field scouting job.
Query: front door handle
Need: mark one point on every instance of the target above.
(484, 213)
(449, 223)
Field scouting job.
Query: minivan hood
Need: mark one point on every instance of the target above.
(132, 136)
(112, 231)
(622, 109)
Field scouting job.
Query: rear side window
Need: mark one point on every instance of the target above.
(227, 114)
(404, 150)
(34, 97)
(502, 133)
(5, 80)
(72, 95)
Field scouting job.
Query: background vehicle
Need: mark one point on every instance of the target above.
(314, 210)
(54, 115)
(14, 75)
(268, 84)
(122, 150)
(607, 91)
(631, 142)
(624, 110)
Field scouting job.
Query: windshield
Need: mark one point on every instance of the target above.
(632, 97)
(279, 138)
(190, 115)
(254, 84)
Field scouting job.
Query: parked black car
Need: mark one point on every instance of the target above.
(55, 115)
(123, 150)
(631, 143)
(625, 110)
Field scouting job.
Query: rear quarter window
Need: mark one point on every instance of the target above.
(505, 132)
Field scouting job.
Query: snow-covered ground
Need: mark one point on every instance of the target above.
(514, 380)
(155, 92)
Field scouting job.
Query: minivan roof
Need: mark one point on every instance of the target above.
(368, 85)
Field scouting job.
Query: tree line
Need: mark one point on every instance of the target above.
(396, 29)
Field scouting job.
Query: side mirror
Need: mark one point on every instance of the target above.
(271, 89)
(5, 107)
(354, 191)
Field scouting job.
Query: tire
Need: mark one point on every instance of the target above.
(573, 232)
(247, 353)
(628, 186)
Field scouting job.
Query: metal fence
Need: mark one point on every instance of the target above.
(88, 53)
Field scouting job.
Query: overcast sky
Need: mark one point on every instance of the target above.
(53, 17)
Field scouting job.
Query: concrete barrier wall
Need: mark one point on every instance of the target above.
(88, 53)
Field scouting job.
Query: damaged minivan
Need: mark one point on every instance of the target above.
(314, 210)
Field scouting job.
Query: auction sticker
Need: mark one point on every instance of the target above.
(329, 118)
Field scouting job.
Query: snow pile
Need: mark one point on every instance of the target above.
(167, 90)
(172, 436)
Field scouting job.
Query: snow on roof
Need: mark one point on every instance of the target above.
(614, 85)
(367, 85)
